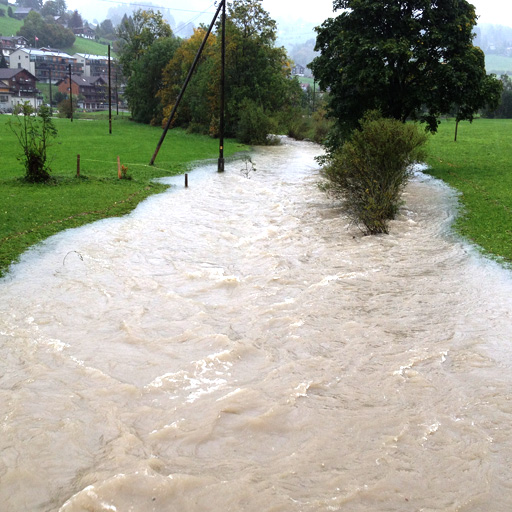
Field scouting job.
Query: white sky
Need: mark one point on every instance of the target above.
(498, 12)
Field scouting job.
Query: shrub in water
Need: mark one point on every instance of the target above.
(254, 125)
(369, 172)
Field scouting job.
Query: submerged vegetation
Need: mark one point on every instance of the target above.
(369, 172)
(29, 213)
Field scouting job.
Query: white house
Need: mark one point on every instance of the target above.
(44, 61)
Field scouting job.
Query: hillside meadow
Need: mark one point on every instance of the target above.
(10, 26)
(479, 165)
(31, 213)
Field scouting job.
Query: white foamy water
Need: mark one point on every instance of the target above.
(238, 346)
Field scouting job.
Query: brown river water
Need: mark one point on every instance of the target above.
(239, 346)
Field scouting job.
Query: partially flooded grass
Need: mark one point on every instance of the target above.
(479, 165)
(31, 213)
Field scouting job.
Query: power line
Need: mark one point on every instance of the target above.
(154, 6)
(190, 22)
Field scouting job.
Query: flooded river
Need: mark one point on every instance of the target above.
(238, 346)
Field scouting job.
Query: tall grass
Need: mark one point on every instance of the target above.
(479, 165)
(31, 213)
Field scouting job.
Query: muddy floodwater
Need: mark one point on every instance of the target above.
(239, 346)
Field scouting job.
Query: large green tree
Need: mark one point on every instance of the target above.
(136, 35)
(411, 59)
(257, 76)
(54, 8)
(48, 32)
(258, 71)
(34, 4)
(146, 44)
(504, 109)
(145, 82)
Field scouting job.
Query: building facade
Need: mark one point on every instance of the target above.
(45, 62)
(16, 87)
(91, 92)
(93, 65)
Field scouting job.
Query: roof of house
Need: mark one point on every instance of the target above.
(83, 81)
(12, 38)
(92, 57)
(46, 51)
(7, 73)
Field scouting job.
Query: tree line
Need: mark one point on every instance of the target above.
(261, 97)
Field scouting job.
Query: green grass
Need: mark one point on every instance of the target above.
(9, 26)
(31, 213)
(479, 165)
(498, 64)
(83, 45)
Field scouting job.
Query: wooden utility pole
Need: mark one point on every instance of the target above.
(109, 94)
(51, 99)
(70, 93)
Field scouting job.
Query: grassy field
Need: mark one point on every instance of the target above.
(31, 213)
(479, 165)
(498, 64)
(9, 26)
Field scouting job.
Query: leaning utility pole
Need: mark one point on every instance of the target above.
(222, 89)
(222, 5)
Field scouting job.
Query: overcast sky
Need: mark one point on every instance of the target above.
(489, 11)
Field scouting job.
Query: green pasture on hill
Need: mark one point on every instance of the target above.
(479, 165)
(9, 26)
(31, 213)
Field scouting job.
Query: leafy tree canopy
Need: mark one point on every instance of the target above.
(407, 58)
(34, 4)
(54, 8)
(146, 81)
(106, 29)
(137, 34)
(75, 20)
(257, 76)
(48, 33)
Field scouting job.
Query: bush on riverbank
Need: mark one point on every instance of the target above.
(369, 172)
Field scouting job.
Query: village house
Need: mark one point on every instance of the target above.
(41, 63)
(85, 32)
(22, 12)
(298, 70)
(93, 65)
(16, 87)
(9, 44)
(91, 91)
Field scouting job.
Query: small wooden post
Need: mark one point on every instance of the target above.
(119, 175)
(78, 166)
(186, 180)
